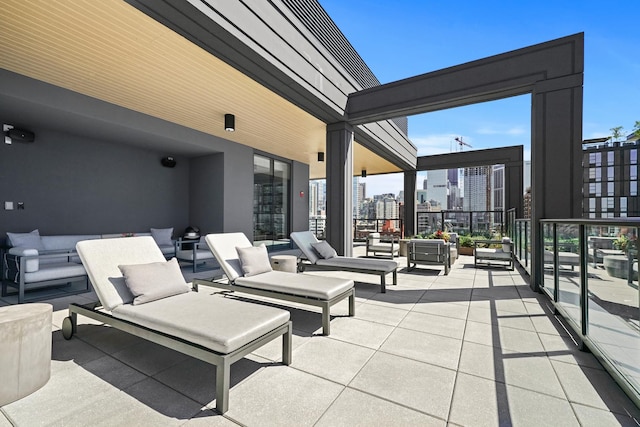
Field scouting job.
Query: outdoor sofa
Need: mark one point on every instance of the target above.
(428, 251)
(32, 261)
(143, 294)
(376, 245)
(502, 255)
(326, 259)
(248, 271)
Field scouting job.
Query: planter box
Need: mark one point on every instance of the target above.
(465, 250)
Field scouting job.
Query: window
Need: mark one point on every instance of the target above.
(610, 173)
(592, 204)
(609, 189)
(271, 201)
(633, 156)
(610, 158)
(633, 188)
(633, 172)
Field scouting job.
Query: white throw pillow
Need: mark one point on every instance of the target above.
(154, 281)
(506, 247)
(162, 236)
(254, 260)
(26, 240)
(324, 249)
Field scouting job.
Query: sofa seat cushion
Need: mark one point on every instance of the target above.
(168, 249)
(384, 247)
(55, 271)
(187, 254)
(489, 253)
(346, 263)
(214, 322)
(306, 285)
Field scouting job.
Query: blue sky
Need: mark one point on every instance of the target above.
(405, 38)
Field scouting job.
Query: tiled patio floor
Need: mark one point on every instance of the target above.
(474, 348)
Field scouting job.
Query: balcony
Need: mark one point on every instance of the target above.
(475, 347)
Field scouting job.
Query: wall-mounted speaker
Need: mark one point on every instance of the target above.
(168, 162)
(20, 135)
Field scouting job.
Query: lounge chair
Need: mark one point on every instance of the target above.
(302, 288)
(211, 328)
(305, 241)
(428, 251)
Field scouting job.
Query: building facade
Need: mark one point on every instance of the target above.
(610, 180)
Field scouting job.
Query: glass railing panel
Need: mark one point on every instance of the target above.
(569, 272)
(549, 276)
(613, 303)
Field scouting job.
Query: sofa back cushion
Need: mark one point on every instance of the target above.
(30, 240)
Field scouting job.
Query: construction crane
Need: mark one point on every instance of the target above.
(461, 143)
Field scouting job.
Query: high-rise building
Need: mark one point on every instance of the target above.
(526, 176)
(477, 188)
(438, 188)
(452, 174)
(421, 196)
(387, 208)
(497, 192)
(610, 179)
(424, 184)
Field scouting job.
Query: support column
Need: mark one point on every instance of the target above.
(409, 203)
(339, 166)
(513, 181)
(556, 159)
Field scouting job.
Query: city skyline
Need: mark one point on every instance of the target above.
(418, 37)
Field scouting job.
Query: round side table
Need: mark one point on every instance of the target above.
(288, 263)
(25, 340)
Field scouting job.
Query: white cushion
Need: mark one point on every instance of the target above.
(324, 249)
(162, 236)
(306, 285)
(153, 281)
(304, 240)
(506, 247)
(26, 240)
(32, 264)
(254, 260)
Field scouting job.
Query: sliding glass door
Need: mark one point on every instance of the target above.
(271, 201)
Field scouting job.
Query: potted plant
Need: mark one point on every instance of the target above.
(466, 245)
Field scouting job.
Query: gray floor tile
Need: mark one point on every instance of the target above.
(110, 340)
(448, 295)
(424, 347)
(593, 387)
(532, 373)
(281, 396)
(208, 418)
(75, 349)
(163, 400)
(447, 309)
(354, 408)
(420, 386)
(273, 349)
(482, 402)
(438, 325)
(563, 349)
(4, 422)
(504, 319)
(380, 314)
(331, 359)
(593, 417)
(149, 358)
(505, 338)
(360, 332)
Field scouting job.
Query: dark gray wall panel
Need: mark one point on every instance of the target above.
(206, 193)
(74, 185)
(300, 205)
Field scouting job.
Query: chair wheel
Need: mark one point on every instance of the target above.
(301, 268)
(67, 328)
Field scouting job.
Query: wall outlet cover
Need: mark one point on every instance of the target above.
(8, 206)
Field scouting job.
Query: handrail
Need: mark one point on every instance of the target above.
(615, 222)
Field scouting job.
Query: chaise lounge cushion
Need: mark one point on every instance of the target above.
(154, 281)
(254, 260)
(372, 264)
(324, 249)
(296, 284)
(30, 240)
(217, 323)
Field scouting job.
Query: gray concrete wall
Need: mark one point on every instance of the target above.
(75, 185)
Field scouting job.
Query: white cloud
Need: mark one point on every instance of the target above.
(437, 144)
(514, 131)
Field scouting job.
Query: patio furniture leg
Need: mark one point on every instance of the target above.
(395, 277)
(223, 381)
(383, 283)
(352, 303)
(326, 319)
(287, 345)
